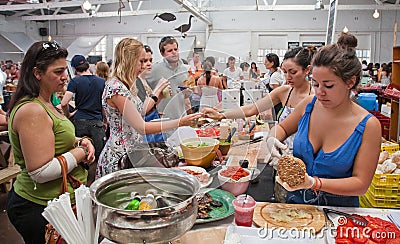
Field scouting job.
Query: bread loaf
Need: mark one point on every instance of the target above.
(291, 170)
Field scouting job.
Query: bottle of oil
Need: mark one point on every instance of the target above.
(148, 202)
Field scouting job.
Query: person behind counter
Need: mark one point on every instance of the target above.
(296, 67)
(338, 140)
(123, 107)
(38, 133)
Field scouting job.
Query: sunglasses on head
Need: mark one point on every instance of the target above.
(52, 44)
(165, 38)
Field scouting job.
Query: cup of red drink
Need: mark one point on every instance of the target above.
(244, 208)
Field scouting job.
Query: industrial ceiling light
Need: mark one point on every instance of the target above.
(375, 14)
(87, 5)
(319, 5)
(345, 30)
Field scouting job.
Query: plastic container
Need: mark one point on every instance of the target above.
(244, 206)
(367, 100)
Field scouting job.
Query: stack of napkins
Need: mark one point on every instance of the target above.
(395, 218)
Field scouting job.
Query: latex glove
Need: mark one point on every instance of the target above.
(275, 146)
(308, 183)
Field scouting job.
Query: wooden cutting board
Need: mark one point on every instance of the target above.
(254, 153)
(288, 216)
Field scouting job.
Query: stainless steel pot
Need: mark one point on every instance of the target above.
(113, 191)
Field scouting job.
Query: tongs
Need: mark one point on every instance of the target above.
(355, 218)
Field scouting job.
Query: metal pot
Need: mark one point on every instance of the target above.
(159, 225)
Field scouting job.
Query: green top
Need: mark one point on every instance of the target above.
(64, 133)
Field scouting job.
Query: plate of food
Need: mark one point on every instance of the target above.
(214, 204)
(200, 173)
(378, 228)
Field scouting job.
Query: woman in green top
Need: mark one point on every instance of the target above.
(38, 133)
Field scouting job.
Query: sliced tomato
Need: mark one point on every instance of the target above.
(379, 235)
(343, 241)
(360, 240)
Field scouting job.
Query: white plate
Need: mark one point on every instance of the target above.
(252, 235)
(200, 170)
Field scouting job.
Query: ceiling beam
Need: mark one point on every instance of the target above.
(194, 10)
(98, 15)
(210, 9)
(16, 7)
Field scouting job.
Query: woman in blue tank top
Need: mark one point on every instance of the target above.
(338, 140)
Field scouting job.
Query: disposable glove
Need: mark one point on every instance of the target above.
(276, 149)
(308, 183)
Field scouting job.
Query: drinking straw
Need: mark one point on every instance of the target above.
(245, 198)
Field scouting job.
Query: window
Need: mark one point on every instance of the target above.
(263, 52)
(363, 54)
(100, 49)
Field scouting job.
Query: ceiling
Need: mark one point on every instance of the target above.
(42, 10)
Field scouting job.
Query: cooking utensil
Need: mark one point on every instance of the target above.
(254, 140)
(158, 225)
(355, 218)
(233, 130)
(252, 126)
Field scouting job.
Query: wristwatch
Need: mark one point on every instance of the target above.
(154, 97)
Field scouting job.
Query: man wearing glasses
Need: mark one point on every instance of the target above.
(172, 69)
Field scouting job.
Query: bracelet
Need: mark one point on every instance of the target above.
(85, 149)
(318, 184)
(83, 138)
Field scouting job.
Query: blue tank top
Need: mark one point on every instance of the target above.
(336, 164)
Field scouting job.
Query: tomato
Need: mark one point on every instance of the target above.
(379, 235)
(360, 240)
(343, 241)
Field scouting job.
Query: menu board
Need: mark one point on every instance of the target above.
(331, 21)
(293, 45)
(315, 44)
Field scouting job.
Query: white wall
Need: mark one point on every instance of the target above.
(377, 34)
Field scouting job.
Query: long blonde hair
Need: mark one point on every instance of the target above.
(126, 54)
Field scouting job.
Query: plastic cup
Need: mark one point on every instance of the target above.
(167, 92)
(243, 210)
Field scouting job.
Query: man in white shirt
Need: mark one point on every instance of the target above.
(232, 75)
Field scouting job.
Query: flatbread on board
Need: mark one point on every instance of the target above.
(288, 216)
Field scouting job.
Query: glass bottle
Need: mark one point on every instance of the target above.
(133, 204)
(148, 202)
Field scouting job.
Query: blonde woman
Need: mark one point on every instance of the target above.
(123, 107)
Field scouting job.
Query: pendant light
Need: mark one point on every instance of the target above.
(376, 14)
(345, 29)
(87, 5)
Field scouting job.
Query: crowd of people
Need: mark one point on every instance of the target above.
(337, 139)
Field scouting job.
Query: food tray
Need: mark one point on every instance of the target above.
(392, 148)
(369, 200)
(384, 191)
(386, 180)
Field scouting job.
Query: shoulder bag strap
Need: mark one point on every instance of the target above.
(64, 171)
